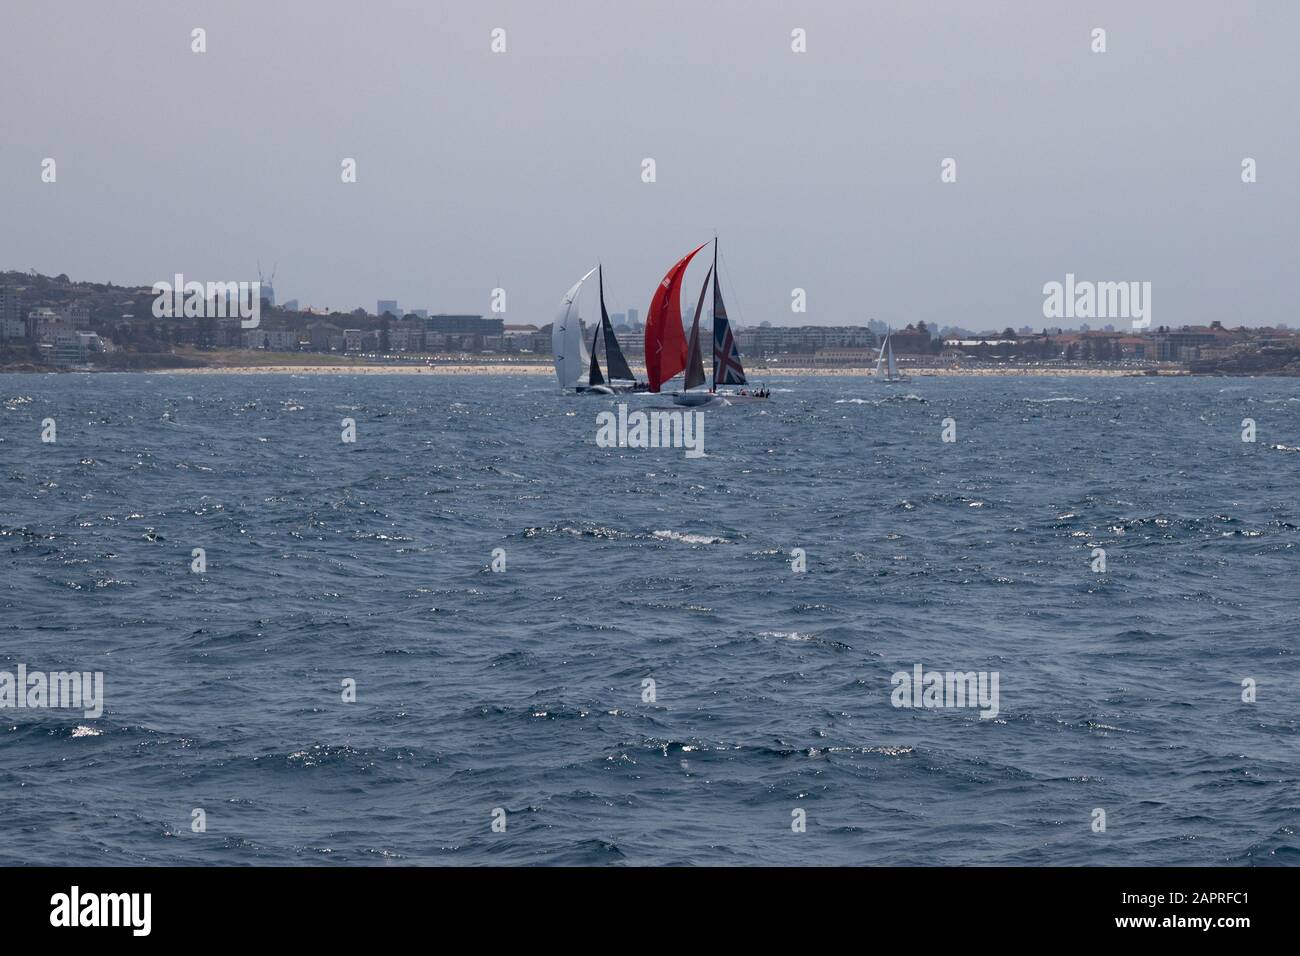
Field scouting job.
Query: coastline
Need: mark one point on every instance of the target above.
(544, 370)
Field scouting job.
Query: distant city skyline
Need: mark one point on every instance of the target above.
(821, 171)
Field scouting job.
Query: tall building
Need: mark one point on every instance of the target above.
(44, 323)
(389, 306)
(11, 319)
(78, 314)
(632, 316)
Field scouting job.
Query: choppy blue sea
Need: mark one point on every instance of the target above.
(524, 690)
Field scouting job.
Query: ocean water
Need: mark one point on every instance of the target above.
(523, 691)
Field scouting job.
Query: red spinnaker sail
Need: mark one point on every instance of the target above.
(665, 343)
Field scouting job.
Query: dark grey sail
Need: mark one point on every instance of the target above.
(593, 375)
(694, 362)
(614, 360)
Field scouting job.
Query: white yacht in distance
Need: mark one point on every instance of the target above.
(886, 365)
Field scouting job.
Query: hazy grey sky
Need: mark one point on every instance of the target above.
(818, 170)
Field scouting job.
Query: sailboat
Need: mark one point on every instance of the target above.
(566, 341)
(668, 353)
(620, 374)
(885, 363)
(573, 368)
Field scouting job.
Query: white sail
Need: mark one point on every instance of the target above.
(880, 362)
(566, 340)
(893, 369)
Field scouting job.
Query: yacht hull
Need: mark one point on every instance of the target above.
(692, 399)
